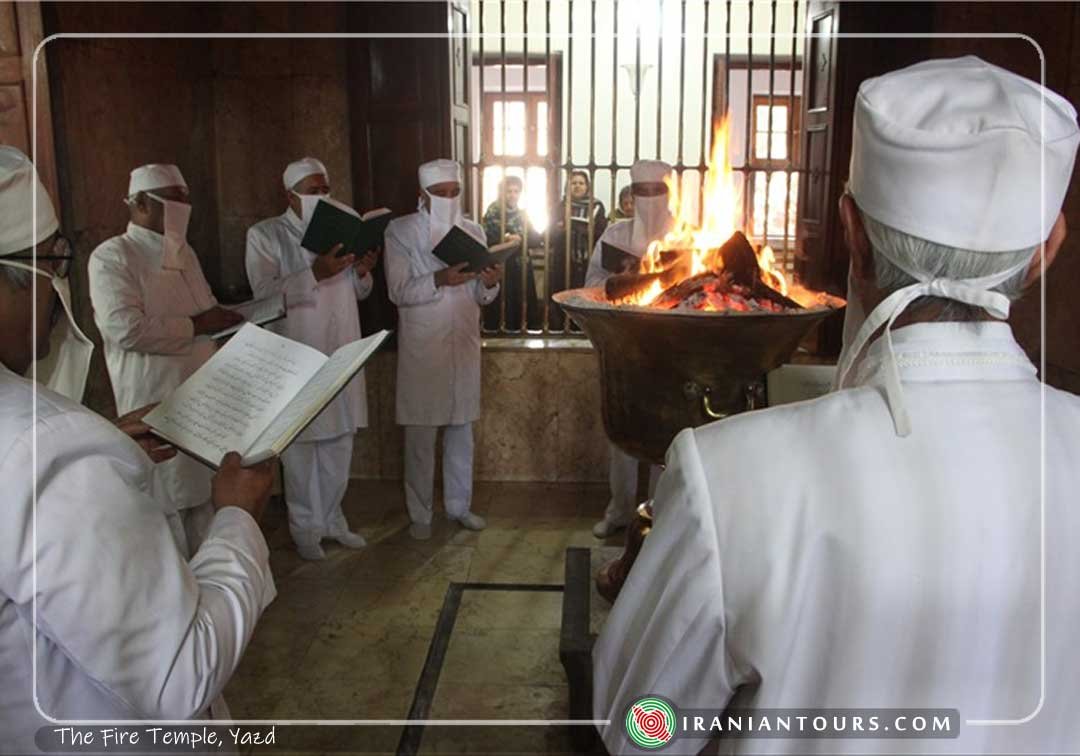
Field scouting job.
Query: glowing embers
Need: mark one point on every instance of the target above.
(711, 266)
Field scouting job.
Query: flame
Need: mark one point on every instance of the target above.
(697, 245)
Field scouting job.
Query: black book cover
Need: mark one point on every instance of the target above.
(331, 225)
(458, 247)
(617, 260)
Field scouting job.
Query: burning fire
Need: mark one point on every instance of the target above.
(688, 249)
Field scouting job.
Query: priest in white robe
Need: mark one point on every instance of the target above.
(101, 615)
(438, 367)
(155, 312)
(652, 221)
(908, 540)
(321, 292)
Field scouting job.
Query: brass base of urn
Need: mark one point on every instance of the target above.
(610, 578)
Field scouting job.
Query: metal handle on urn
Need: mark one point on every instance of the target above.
(693, 390)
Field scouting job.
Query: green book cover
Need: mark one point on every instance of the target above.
(331, 225)
(458, 247)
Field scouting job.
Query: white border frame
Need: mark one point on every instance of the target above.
(451, 35)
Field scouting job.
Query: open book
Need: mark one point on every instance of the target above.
(330, 225)
(255, 395)
(458, 247)
(257, 311)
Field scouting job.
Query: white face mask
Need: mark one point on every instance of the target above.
(177, 217)
(445, 212)
(652, 220)
(308, 203)
(66, 367)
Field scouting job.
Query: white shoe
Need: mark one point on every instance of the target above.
(310, 550)
(421, 531)
(606, 528)
(350, 540)
(471, 521)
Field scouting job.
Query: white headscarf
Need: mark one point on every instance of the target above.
(19, 187)
(652, 218)
(444, 212)
(954, 151)
(298, 170)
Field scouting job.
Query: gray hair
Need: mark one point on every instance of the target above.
(940, 261)
(16, 278)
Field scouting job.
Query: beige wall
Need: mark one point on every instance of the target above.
(540, 419)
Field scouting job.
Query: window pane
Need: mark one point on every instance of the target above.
(761, 145)
(541, 128)
(779, 133)
(761, 118)
(508, 134)
(777, 206)
(779, 118)
(535, 199)
(490, 191)
(779, 146)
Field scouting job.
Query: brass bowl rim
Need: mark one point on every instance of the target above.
(590, 299)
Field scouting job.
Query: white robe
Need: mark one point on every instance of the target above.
(143, 306)
(619, 235)
(807, 556)
(438, 368)
(126, 629)
(322, 314)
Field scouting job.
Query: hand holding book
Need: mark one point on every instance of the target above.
(459, 247)
(331, 264)
(255, 395)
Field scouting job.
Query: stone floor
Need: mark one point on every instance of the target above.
(347, 638)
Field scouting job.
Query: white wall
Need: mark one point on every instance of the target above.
(593, 70)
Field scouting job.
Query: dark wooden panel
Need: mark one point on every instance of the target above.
(817, 154)
(397, 148)
(396, 73)
(399, 111)
(460, 57)
(13, 122)
(819, 60)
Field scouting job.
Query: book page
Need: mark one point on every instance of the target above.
(372, 214)
(229, 401)
(257, 311)
(309, 401)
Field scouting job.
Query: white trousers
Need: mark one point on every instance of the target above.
(316, 475)
(622, 478)
(420, 470)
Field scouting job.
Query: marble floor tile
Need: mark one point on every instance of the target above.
(506, 657)
(498, 610)
(348, 637)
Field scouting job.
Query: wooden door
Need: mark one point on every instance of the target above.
(400, 95)
(819, 80)
(20, 34)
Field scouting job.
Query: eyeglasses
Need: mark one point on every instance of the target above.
(61, 251)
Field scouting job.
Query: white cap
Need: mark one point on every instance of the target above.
(649, 172)
(298, 170)
(19, 183)
(147, 178)
(438, 172)
(950, 151)
(964, 154)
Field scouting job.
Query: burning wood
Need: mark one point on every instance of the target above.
(734, 282)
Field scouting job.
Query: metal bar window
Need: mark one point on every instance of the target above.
(567, 95)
